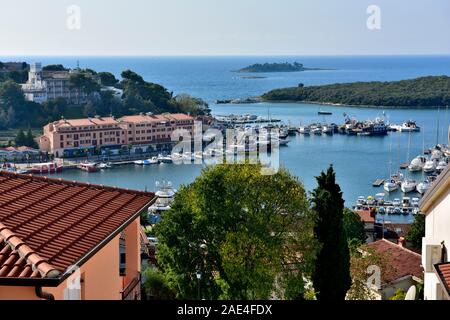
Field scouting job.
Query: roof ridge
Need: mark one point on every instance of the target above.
(401, 247)
(72, 183)
(38, 263)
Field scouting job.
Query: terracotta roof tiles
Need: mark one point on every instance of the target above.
(443, 271)
(404, 261)
(47, 225)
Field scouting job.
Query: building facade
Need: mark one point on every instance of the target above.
(144, 133)
(63, 240)
(435, 206)
(44, 85)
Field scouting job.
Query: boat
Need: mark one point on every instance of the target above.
(104, 165)
(391, 185)
(430, 166)
(165, 194)
(324, 113)
(142, 162)
(283, 133)
(153, 160)
(406, 202)
(381, 210)
(423, 187)
(409, 126)
(304, 130)
(408, 186)
(87, 166)
(441, 166)
(164, 158)
(316, 130)
(45, 168)
(415, 202)
(417, 164)
(284, 142)
(326, 129)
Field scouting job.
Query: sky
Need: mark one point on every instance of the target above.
(223, 27)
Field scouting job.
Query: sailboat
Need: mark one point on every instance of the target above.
(392, 184)
(408, 185)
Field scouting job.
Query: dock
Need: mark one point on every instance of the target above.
(378, 183)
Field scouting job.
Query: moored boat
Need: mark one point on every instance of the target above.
(87, 166)
(45, 168)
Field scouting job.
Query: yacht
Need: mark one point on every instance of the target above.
(304, 130)
(164, 158)
(391, 185)
(409, 126)
(441, 166)
(417, 164)
(104, 166)
(408, 186)
(430, 166)
(326, 129)
(165, 195)
(423, 187)
(88, 167)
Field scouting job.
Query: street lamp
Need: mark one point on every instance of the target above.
(199, 277)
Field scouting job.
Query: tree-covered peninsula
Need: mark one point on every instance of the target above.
(275, 67)
(432, 91)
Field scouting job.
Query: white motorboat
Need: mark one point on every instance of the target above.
(326, 129)
(423, 187)
(304, 130)
(408, 186)
(430, 166)
(397, 202)
(316, 130)
(284, 142)
(417, 164)
(441, 166)
(415, 202)
(164, 159)
(409, 126)
(104, 166)
(391, 185)
(153, 160)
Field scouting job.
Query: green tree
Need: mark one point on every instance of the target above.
(244, 238)
(29, 140)
(354, 227)
(156, 285)
(331, 276)
(399, 295)
(107, 79)
(84, 83)
(417, 231)
(20, 139)
(132, 76)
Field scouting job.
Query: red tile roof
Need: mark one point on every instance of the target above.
(443, 271)
(48, 225)
(366, 216)
(404, 261)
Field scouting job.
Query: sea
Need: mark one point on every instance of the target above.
(357, 160)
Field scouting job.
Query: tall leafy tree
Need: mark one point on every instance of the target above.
(417, 231)
(331, 276)
(248, 234)
(354, 228)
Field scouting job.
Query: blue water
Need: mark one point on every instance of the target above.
(358, 160)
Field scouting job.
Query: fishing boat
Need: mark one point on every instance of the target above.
(46, 168)
(88, 167)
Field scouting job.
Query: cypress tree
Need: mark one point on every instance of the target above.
(20, 139)
(331, 276)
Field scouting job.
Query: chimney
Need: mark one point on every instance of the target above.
(401, 242)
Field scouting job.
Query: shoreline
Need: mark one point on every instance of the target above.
(331, 104)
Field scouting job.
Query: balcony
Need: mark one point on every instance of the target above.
(133, 290)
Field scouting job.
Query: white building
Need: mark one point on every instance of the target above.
(44, 85)
(435, 259)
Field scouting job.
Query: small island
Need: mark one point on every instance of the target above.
(431, 91)
(276, 67)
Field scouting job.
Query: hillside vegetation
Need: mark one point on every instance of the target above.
(429, 91)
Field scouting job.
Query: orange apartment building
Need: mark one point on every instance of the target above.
(67, 240)
(64, 138)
